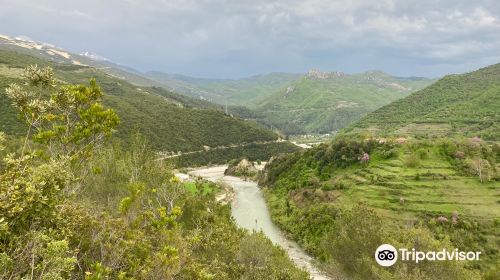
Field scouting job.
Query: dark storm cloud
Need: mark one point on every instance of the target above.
(230, 38)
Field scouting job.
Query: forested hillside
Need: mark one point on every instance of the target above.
(170, 121)
(466, 104)
(237, 92)
(319, 102)
(343, 199)
(421, 172)
(324, 102)
(72, 206)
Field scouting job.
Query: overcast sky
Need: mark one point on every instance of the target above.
(235, 38)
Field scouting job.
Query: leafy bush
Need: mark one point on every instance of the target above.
(149, 226)
(359, 231)
(389, 153)
(342, 184)
(411, 161)
(422, 153)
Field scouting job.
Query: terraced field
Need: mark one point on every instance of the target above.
(429, 184)
(434, 188)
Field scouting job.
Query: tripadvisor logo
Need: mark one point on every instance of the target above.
(387, 255)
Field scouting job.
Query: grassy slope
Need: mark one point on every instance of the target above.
(323, 105)
(434, 187)
(411, 183)
(170, 121)
(466, 104)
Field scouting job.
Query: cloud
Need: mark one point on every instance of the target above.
(228, 38)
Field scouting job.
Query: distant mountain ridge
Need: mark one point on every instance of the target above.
(236, 92)
(324, 102)
(171, 122)
(58, 55)
(315, 102)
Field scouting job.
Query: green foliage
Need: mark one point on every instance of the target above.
(150, 226)
(411, 160)
(357, 230)
(71, 121)
(316, 105)
(48, 258)
(261, 258)
(57, 261)
(254, 152)
(171, 122)
(361, 230)
(2, 141)
(30, 193)
(32, 188)
(389, 153)
(313, 196)
(456, 105)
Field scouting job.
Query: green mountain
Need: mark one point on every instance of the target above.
(413, 173)
(292, 103)
(171, 122)
(295, 103)
(466, 104)
(324, 102)
(127, 217)
(241, 92)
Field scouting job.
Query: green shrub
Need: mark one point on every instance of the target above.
(423, 153)
(411, 161)
(389, 153)
(342, 184)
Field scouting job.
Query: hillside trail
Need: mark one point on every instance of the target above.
(250, 211)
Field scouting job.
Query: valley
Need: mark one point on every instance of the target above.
(113, 173)
(288, 103)
(426, 164)
(295, 104)
(250, 212)
(156, 113)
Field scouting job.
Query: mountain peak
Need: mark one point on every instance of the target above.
(317, 74)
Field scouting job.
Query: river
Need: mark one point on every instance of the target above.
(250, 211)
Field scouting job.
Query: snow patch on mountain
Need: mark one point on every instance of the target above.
(39, 47)
(94, 56)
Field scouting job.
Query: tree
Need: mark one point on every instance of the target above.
(70, 121)
(356, 235)
(480, 167)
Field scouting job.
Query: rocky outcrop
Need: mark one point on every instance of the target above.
(244, 168)
(317, 74)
